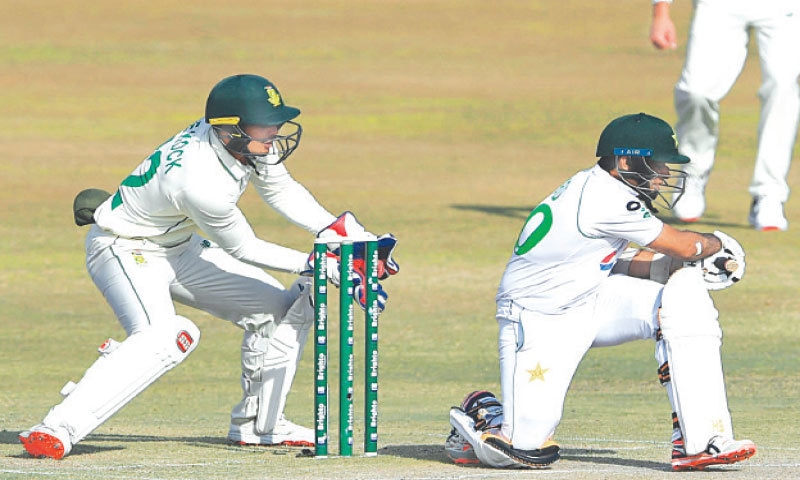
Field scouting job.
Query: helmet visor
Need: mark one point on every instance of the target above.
(261, 152)
(662, 185)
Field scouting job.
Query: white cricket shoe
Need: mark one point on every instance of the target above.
(285, 433)
(45, 442)
(766, 214)
(720, 451)
(692, 204)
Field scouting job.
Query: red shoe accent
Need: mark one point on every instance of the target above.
(296, 443)
(466, 461)
(42, 445)
(702, 460)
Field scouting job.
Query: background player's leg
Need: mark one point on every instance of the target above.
(778, 35)
(716, 52)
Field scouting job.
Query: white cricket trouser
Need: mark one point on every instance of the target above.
(140, 280)
(540, 353)
(716, 53)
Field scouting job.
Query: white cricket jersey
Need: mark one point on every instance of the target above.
(571, 241)
(192, 183)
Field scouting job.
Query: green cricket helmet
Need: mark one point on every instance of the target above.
(243, 100)
(645, 141)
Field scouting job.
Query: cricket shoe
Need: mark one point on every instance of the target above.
(538, 457)
(720, 451)
(692, 204)
(678, 450)
(285, 433)
(766, 214)
(459, 450)
(45, 442)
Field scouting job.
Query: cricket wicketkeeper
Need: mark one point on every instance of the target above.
(172, 232)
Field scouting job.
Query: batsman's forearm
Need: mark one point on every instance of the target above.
(685, 245)
(647, 264)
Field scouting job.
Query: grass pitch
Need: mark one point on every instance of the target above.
(443, 122)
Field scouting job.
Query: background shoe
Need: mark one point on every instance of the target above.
(766, 214)
(44, 442)
(285, 433)
(720, 451)
(692, 204)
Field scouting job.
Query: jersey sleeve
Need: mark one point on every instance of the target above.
(291, 199)
(610, 209)
(223, 222)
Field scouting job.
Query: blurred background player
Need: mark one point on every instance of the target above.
(715, 55)
(573, 283)
(143, 252)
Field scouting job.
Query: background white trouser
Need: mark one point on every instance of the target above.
(539, 355)
(140, 280)
(716, 53)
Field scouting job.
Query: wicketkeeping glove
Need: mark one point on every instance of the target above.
(386, 263)
(331, 270)
(358, 278)
(345, 226)
(360, 293)
(725, 267)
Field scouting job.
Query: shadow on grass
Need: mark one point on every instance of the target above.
(435, 453)
(705, 222)
(605, 457)
(509, 211)
(95, 443)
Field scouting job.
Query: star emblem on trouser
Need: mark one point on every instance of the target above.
(537, 373)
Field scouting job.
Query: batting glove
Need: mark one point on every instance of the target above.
(725, 267)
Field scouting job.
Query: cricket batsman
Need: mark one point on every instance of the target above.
(594, 267)
(172, 232)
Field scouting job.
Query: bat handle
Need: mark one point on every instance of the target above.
(726, 264)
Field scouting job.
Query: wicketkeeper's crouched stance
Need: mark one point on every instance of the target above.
(143, 253)
(573, 283)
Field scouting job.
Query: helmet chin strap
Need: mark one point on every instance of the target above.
(648, 201)
(238, 145)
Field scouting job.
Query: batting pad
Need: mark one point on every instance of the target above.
(485, 453)
(692, 337)
(123, 371)
(269, 362)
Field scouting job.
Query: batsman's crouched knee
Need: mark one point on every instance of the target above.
(686, 307)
